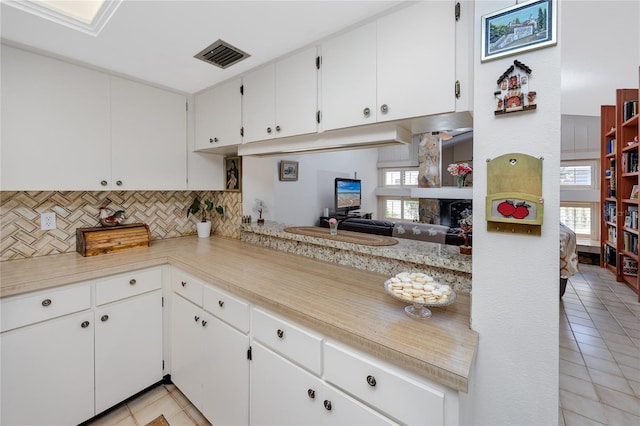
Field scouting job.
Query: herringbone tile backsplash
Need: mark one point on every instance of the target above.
(164, 211)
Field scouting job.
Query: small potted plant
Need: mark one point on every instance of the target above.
(260, 207)
(201, 208)
(466, 225)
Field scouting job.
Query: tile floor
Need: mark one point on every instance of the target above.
(599, 351)
(164, 399)
(599, 362)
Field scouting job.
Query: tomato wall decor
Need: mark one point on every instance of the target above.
(514, 200)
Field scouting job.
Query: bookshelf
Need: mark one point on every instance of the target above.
(619, 190)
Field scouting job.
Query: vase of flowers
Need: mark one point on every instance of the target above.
(260, 207)
(460, 171)
(333, 226)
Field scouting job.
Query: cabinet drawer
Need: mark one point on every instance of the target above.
(227, 308)
(187, 286)
(300, 346)
(127, 285)
(392, 392)
(19, 311)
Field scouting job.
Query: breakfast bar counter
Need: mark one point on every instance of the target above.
(341, 302)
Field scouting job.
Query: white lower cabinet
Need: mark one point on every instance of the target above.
(209, 360)
(63, 360)
(47, 372)
(284, 394)
(128, 348)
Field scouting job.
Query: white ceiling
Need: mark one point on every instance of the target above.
(155, 40)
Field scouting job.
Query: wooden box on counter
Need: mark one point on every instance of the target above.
(103, 239)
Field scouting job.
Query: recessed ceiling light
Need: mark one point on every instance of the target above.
(88, 16)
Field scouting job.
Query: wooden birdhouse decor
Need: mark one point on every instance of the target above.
(514, 202)
(514, 92)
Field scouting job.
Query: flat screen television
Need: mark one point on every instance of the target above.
(348, 195)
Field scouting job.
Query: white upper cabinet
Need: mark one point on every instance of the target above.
(148, 133)
(349, 79)
(280, 99)
(219, 116)
(416, 61)
(400, 66)
(55, 124)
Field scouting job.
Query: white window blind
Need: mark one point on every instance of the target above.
(578, 218)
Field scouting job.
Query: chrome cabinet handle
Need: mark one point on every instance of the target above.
(280, 333)
(204, 323)
(327, 405)
(132, 281)
(46, 302)
(384, 108)
(104, 318)
(214, 140)
(196, 318)
(183, 283)
(103, 182)
(371, 381)
(221, 303)
(84, 324)
(277, 128)
(366, 112)
(269, 130)
(119, 182)
(311, 393)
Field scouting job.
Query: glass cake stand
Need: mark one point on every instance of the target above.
(418, 310)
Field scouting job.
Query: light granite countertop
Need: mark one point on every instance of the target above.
(349, 305)
(442, 261)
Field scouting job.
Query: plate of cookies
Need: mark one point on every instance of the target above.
(421, 290)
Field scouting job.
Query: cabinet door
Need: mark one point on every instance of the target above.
(149, 137)
(258, 104)
(282, 393)
(296, 82)
(416, 61)
(349, 79)
(55, 124)
(128, 346)
(225, 373)
(218, 115)
(47, 372)
(186, 348)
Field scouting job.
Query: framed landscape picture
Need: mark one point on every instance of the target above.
(288, 170)
(519, 28)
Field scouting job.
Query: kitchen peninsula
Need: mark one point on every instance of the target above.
(443, 262)
(343, 304)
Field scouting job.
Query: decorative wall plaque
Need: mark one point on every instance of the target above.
(514, 92)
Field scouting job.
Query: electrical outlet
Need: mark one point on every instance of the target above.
(47, 221)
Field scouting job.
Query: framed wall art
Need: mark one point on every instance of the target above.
(233, 173)
(288, 170)
(519, 28)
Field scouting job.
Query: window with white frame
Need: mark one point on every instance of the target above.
(579, 217)
(400, 206)
(578, 174)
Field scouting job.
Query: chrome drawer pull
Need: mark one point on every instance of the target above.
(280, 333)
(46, 302)
(220, 303)
(204, 323)
(311, 393)
(84, 324)
(327, 405)
(183, 283)
(371, 380)
(366, 112)
(132, 281)
(104, 318)
(196, 318)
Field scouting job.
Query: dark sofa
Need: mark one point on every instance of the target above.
(412, 230)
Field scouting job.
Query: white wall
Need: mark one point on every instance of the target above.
(301, 202)
(515, 277)
(600, 52)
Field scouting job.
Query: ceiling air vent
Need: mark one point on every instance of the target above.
(222, 54)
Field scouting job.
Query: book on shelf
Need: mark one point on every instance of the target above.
(631, 217)
(629, 162)
(613, 234)
(610, 211)
(609, 255)
(630, 242)
(612, 180)
(611, 146)
(629, 266)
